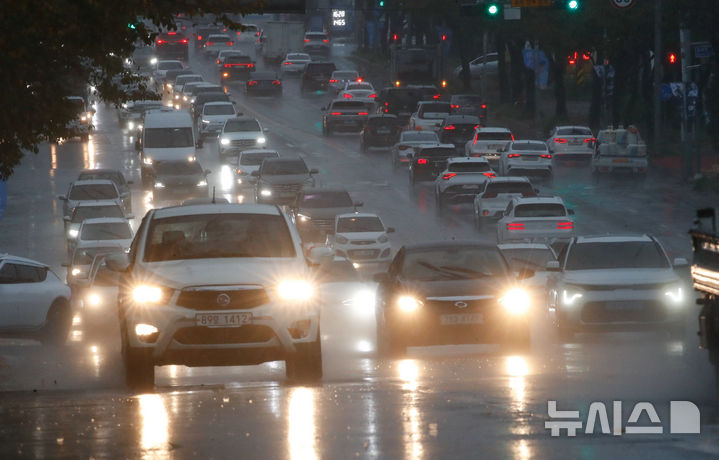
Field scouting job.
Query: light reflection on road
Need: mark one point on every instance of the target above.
(155, 427)
(411, 415)
(302, 429)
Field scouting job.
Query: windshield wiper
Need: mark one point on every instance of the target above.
(440, 270)
(464, 270)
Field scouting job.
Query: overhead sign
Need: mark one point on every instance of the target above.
(530, 3)
(622, 4)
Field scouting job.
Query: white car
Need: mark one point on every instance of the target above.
(617, 282)
(222, 55)
(429, 115)
(492, 201)
(571, 143)
(240, 133)
(89, 190)
(180, 83)
(488, 142)
(463, 179)
(404, 149)
(162, 67)
(537, 218)
(104, 232)
(247, 162)
(525, 157)
(294, 63)
(317, 43)
(217, 284)
(249, 34)
(213, 118)
(340, 78)
(90, 210)
(362, 90)
(620, 150)
(362, 238)
(34, 302)
(216, 43)
(477, 67)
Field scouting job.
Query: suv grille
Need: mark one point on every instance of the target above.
(197, 335)
(243, 142)
(294, 188)
(625, 311)
(212, 298)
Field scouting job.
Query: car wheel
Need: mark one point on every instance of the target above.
(139, 368)
(57, 323)
(305, 364)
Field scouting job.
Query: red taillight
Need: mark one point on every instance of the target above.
(239, 32)
(512, 136)
(209, 43)
(171, 33)
(591, 139)
(546, 155)
(288, 63)
(485, 213)
(252, 83)
(373, 95)
(489, 174)
(347, 96)
(565, 225)
(386, 103)
(229, 43)
(258, 33)
(326, 41)
(199, 37)
(306, 40)
(218, 61)
(422, 161)
(276, 82)
(560, 140)
(476, 127)
(449, 176)
(454, 106)
(160, 42)
(515, 226)
(333, 81)
(450, 127)
(227, 66)
(184, 40)
(335, 113)
(436, 96)
(484, 106)
(512, 155)
(363, 113)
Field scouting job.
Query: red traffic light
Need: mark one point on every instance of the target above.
(395, 37)
(672, 58)
(444, 37)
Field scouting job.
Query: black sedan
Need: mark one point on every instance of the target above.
(428, 161)
(380, 131)
(263, 84)
(450, 292)
(458, 130)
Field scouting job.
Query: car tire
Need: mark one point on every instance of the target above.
(305, 364)
(139, 368)
(57, 323)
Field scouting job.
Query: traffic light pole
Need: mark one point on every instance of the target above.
(658, 62)
(685, 43)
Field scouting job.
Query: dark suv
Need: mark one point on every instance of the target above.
(381, 130)
(171, 45)
(316, 76)
(469, 104)
(346, 115)
(458, 130)
(403, 101)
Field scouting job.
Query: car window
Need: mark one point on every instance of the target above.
(419, 136)
(106, 231)
(8, 274)
(12, 273)
(540, 210)
(178, 168)
(469, 167)
(93, 192)
(494, 188)
(326, 199)
(494, 136)
(460, 262)
(345, 75)
(574, 131)
(625, 254)
(528, 258)
(223, 109)
(434, 110)
(340, 105)
(91, 212)
(438, 152)
(519, 146)
(210, 236)
(116, 177)
(238, 126)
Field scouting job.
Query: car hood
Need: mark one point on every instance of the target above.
(217, 118)
(324, 213)
(171, 179)
(361, 235)
(620, 277)
(199, 272)
(173, 153)
(492, 286)
(285, 179)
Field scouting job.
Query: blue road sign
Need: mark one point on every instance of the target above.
(703, 50)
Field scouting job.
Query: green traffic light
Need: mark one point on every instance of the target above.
(132, 26)
(381, 3)
(572, 4)
(492, 9)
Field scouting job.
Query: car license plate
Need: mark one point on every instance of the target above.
(623, 305)
(461, 318)
(620, 160)
(529, 158)
(470, 187)
(383, 131)
(223, 319)
(363, 252)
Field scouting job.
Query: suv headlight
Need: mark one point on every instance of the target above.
(261, 140)
(225, 141)
(147, 161)
(202, 183)
(516, 301)
(570, 295)
(674, 294)
(295, 289)
(408, 303)
(149, 294)
(72, 233)
(383, 239)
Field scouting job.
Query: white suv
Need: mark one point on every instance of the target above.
(214, 285)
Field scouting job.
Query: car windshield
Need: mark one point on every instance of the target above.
(256, 159)
(177, 168)
(166, 138)
(316, 36)
(284, 168)
(494, 136)
(91, 212)
(327, 199)
(529, 146)
(467, 100)
(359, 224)
(140, 108)
(469, 167)
(210, 236)
(438, 152)
(574, 131)
(298, 57)
(345, 75)
(419, 136)
(621, 254)
(452, 263)
(347, 105)
(116, 177)
(523, 188)
(222, 109)
(238, 59)
(93, 192)
(182, 79)
(86, 256)
(434, 111)
(169, 65)
(364, 86)
(106, 231)
(320, 68)
(238, 126)
(528, 258)
(540, 210)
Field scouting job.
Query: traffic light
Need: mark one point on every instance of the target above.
(380, 3)
(492, 8)
(132, 25)
(672, 57)
(395, 37)
(573, 5)
(444, 37)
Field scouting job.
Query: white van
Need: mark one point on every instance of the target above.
(166, 136)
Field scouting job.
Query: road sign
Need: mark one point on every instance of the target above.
(703, 50)
(622, 4)
(530, 3)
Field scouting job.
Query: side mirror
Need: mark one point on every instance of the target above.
(525, 273)
(266, 130)
(570, 211)
(118, 262)
(314, 171)
(381, 277)
(255, 173)
(390, 230)
(62, 197)
(130, 216)
(358, 204)
(66, 218)
(681, 262)
(552, 266)
(319, 254)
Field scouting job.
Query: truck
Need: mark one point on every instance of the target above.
(417, 65)
(705, 278)
(280, 38)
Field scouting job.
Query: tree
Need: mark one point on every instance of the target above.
(55, 48)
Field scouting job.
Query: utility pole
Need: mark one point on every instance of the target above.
(685, 44)
(658, 62)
